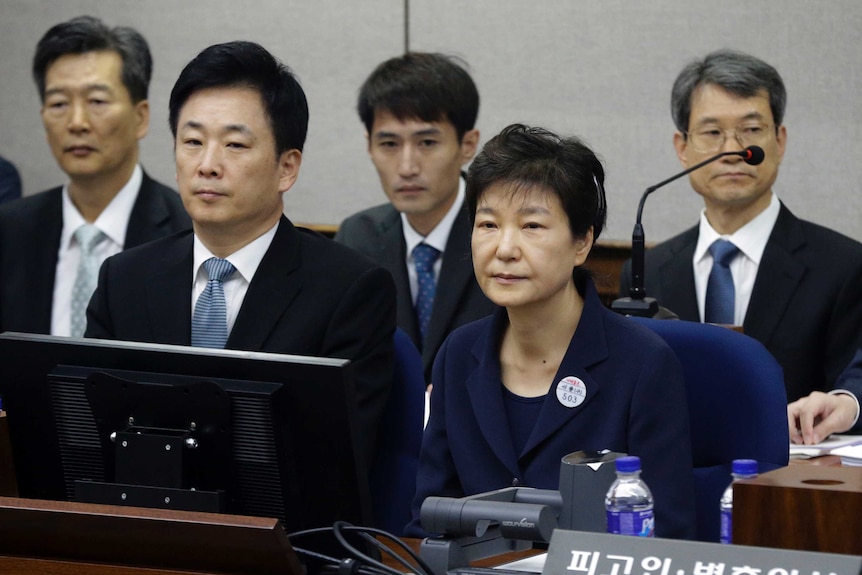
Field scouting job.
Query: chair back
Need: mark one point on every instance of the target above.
(737, 407)
(396, 461)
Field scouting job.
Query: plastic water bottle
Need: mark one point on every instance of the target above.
(742, 469)
(629, 503)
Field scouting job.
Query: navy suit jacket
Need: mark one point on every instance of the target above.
(806, 305)
(851, 380)
(635, 404)
(378, 233)
(309, 296)
(30, 231)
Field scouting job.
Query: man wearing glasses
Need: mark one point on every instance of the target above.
(793, 285)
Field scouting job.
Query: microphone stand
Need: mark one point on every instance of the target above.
(637, 303)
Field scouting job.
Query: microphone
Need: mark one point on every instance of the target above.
(637, 304)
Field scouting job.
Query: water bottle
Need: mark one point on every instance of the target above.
(742, 469)
(629, 503)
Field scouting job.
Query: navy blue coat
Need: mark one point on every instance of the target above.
(635, 403)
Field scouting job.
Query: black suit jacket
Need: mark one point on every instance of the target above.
(30, 231)
(378, 233)
(806, 305)
(309, 296)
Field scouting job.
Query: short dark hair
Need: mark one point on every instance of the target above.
(430, 87)
(88, 34)
(248, 65)
(534, 157)
(740, 74)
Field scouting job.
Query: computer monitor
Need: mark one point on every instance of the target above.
(178, 427)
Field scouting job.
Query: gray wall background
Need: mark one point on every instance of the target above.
(601, 70)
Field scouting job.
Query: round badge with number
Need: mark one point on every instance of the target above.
(571, 391)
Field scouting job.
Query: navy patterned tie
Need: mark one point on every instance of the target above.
(88, 237)
(209, 321)
(720, 293)
(424, 257)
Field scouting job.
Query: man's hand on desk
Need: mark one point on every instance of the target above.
(815, 417)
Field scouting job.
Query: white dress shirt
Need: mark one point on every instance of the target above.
(113, 222)
(438, 238)
(751, 240)
(246, 260)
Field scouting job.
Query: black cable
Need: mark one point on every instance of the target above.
(367, 565)
(365, 532)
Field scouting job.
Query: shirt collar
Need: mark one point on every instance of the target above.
(246, 259)
(439, 236)
(114, 219)
(751, 238)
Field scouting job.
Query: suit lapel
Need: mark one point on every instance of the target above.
(270, 293)
(149, 215)
(676, 278)
(392, 255)
(44, 247)
(588, 347)
(778, 278)
(456, 274)
(169, 294)
(484, 388)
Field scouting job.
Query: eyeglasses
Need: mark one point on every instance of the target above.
(711, 138)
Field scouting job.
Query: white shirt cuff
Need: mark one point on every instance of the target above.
(855, 399)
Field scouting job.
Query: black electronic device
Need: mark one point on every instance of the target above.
(637, 303)
(176, 427)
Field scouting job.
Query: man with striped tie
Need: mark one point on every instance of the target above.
(246, 278)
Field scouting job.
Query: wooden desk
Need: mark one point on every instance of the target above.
(804, 507)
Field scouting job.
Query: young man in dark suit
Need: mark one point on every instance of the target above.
(246, 278)
(419, 112)
(793, 285)
(93, 83)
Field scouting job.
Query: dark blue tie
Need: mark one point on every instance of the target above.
(209, 321)
(720, 293)
(424, 257)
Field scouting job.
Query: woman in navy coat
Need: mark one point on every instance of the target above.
(553, 371)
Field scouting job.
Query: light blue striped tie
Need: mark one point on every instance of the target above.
(720, 293)
(88, 237)
(209, 322)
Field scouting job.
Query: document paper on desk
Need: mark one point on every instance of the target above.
(827, 447)
(851, 455)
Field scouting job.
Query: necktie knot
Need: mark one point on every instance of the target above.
(723, 251)
(218, 269)
(88, 237)
(425, 256)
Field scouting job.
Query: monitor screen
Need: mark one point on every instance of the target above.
(186, 428)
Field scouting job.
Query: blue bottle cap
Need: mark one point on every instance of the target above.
(628, 464)
(744, 467)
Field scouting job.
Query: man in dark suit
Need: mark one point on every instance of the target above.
(93, 83)
(419, 112)
(795, 285)
(246, 278)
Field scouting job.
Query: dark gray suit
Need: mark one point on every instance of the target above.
(30, 231)
(309, 296)
(378, 233)
(806, 305)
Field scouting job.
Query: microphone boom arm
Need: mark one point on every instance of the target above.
(637, 303)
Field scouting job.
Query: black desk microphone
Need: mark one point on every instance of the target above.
(637, 303)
